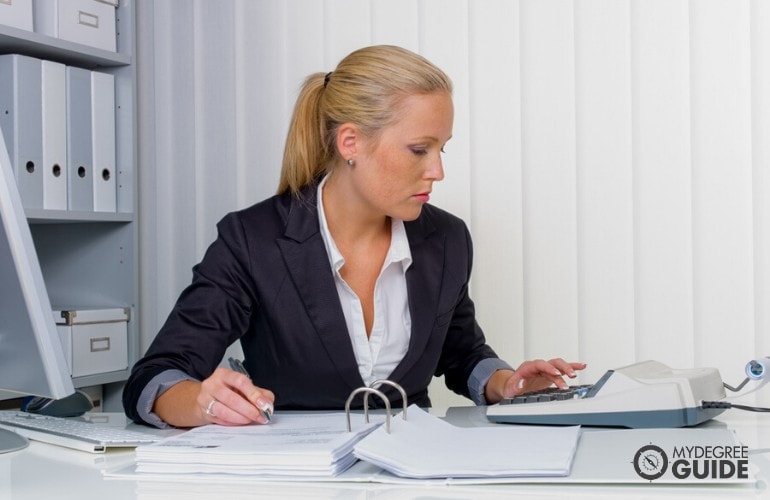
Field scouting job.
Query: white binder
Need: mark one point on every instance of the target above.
(54, 143)
(21, 122)
(80, 196)
(103, 141)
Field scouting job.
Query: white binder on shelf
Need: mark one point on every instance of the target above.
(21, 122)
(103, 141)
(80, 196)
(54, 143)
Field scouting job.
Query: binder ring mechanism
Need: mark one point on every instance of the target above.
(372, 389)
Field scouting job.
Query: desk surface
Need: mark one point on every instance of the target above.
(46, 471)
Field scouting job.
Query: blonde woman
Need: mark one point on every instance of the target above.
(346, 276)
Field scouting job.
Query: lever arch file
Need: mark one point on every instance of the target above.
(103, 141)
(426, 447)
(21, 122)
(79, 149)
(54, 143)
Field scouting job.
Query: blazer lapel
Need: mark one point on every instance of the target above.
(423, 283)
(306, 260)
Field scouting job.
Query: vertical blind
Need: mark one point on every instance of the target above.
(610, 157)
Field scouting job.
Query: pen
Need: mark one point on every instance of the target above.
(237, 366)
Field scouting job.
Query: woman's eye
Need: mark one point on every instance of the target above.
(419, 151)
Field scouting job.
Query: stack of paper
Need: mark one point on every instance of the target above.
(424, 446)
(292, 445)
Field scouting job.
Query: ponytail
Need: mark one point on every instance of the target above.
(305, 153)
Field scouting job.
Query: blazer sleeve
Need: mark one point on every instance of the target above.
(465, 345)
(210, 314)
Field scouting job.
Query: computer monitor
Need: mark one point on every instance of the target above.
(32, 360)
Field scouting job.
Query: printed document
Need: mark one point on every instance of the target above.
(316, 444)
(424, 446)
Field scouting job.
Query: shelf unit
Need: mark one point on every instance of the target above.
(90, 259)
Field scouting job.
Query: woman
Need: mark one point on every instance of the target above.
(344, 277)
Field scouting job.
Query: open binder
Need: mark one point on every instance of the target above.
(316, 445)
(425, 447)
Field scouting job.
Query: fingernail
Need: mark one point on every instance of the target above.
(265, 405)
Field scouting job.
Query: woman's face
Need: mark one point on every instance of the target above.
(395, 171)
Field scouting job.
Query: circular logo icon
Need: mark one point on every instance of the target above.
(650, 462)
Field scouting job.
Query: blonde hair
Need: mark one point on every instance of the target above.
(365, 89)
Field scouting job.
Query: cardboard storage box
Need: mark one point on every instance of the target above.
(94, 340)
(16, 13)
(90, 22)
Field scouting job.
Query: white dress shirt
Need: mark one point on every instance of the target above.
(379, 353)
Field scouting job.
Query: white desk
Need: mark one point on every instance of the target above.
(43, 471)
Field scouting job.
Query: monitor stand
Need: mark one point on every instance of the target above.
(10, 441)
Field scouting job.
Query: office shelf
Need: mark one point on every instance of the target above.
(90, 259)
(19, 41)
(41, 216)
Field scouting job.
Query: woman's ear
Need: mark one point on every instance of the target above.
(348, 139)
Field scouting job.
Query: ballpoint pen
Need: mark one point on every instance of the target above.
(237, 366)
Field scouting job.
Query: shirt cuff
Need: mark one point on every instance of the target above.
(154, 389)
(480, 375)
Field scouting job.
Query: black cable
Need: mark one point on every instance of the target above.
(740, 386)
(706, 405)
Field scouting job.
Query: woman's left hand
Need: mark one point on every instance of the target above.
(533, 375)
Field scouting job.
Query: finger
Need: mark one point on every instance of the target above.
(541, 367)
(229, 389)
(567, 368)
(564, 367)
(241, 410)
(536, 381)
(258, 397)
(208, 411)
(546, 375)
(232, 408)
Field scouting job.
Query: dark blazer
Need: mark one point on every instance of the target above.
(266, 280)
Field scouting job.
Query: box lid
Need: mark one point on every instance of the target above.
(90, 316)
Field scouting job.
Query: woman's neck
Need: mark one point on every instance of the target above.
(349, 220)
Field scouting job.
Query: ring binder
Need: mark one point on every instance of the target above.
(377, 383)
(366, 408)
(372, 389)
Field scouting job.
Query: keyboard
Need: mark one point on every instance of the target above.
(642, 395)
(79, 434)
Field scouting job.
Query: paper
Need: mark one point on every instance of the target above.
(424, 446)
(315, 444)
(604, 456)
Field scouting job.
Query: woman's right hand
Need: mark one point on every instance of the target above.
(229, 398)
(226, 398)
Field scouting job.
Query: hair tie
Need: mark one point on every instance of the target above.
(326, 78)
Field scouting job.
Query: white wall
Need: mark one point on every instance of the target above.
(610, 157)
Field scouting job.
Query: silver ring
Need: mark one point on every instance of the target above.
(208, 408)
